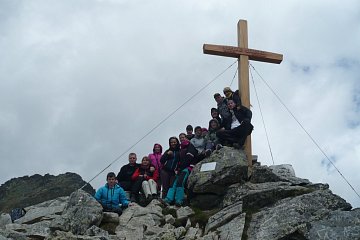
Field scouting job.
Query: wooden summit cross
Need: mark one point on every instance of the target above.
(244, 54)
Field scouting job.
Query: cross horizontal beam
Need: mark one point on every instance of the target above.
(236, 52)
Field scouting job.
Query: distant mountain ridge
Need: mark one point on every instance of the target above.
(26, 191)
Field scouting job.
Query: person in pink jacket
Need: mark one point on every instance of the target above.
(155, 161)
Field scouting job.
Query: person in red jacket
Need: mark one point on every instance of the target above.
(144, 179)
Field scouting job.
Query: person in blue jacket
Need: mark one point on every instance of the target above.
(112, 195)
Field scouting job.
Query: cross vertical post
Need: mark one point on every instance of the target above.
(243, 81)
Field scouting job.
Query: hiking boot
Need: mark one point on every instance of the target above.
(154, 196)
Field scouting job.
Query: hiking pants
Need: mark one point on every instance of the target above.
(167, 180)
(149, 187)
(177, 191)
(236, 135)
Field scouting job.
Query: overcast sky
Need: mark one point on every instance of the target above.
(82, 81)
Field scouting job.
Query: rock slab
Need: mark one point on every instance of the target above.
(81, 212)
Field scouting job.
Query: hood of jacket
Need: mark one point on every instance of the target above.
(157, 144)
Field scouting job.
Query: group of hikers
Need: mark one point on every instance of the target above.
(164, 175)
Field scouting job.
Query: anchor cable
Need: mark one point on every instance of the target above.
(312, 139)
(262, 116)
(236, 71)
(160, 123)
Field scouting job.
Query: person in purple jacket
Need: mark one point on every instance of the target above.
(156, 156)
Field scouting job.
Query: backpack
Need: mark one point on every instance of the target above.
(17, 213)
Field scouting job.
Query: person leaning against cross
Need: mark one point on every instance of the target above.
(238, 126)
(231, 95)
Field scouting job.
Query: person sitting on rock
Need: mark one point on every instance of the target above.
(222, 108)
(215, 115)
(199, 143)
(239, 126)
(184, 166)
(189, 132)
(144, 179)
(182, 137)
(126, 171)
(155, 161)
(204, 131)
(169, 161)
(211, 140)
(112, 195)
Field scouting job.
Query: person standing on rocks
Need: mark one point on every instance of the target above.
(177, 192)
(169, 160)
(112, 195)
(126, 171)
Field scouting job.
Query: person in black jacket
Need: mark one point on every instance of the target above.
(238, 126)
(189, 132)
(126, 171)
(169, 161)
(215, 115)
(184, 166)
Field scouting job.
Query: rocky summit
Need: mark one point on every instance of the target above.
(223, 203)
(26, 191)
